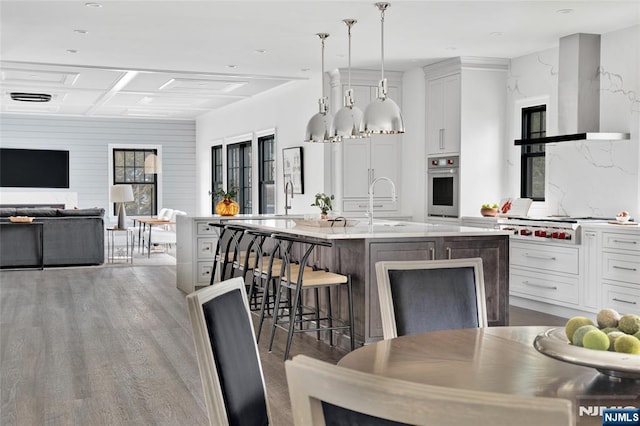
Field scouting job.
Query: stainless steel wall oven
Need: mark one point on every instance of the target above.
(443, 186)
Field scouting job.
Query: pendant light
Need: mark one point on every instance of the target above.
(320, 126)
(383, 115)
(347, 123)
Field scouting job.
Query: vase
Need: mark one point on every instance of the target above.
(227, 207)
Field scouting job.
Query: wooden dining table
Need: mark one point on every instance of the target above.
(495, 359)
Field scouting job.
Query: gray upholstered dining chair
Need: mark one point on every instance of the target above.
(427, 295)
(326, 394)
(228, 357)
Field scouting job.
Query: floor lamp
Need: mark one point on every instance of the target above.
(121, 194)
(152, 165)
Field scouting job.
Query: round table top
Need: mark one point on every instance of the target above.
(494, 359)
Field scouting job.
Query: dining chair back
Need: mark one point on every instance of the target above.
(325, 394)
(428, 295)
(228, 357)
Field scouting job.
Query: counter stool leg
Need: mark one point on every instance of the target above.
(317, 300)
(350, 301)
(276, 314)
(329, 316)
(292, 319)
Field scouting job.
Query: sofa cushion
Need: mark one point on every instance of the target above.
(81, 212)
(7, 211)
(37, 212)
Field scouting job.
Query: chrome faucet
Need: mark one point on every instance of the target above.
(287, 203)
(393, 196)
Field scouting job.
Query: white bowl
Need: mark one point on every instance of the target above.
(622, 218)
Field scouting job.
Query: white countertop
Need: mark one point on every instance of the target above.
(381, 229)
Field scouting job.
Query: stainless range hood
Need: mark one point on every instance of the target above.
(578, 93)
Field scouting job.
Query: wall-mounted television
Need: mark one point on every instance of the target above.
(34, 168)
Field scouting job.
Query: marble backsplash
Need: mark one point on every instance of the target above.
(592, 178)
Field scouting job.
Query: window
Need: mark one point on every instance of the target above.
(216, 174)
(128, 168)
(239, 173)
(267, 171)
(532, 158)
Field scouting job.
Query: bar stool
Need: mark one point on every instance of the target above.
(228, 251)
(216, 257)
(299, 278)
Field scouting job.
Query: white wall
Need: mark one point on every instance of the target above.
(414, 159)
(584, 178)
(88, 141)
(287, 110)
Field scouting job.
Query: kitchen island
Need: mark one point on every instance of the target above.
(356, 249)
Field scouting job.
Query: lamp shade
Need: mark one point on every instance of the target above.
(152, 164)
(121, 193)
(320, 128)
(348, 123)
(383, 115)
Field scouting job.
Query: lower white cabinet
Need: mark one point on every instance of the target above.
(195, 251)
(601, 272)
(545, 273)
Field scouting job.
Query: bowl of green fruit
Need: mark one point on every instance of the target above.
(489, 210)
(611, 344)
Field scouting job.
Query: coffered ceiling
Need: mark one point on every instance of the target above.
(180, 59)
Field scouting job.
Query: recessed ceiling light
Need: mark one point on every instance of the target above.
(450, 48)
(95, 5)
(564, 11)
(81, 31)
(305, 69)
(231, 66)
(72, 51)
(496, 34)
(260, 51)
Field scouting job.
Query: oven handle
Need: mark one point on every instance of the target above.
(442, 172)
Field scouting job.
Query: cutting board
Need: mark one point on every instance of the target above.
(519, 208)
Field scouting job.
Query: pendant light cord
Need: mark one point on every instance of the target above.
(382, 41)
(322, 38)
(349, 33)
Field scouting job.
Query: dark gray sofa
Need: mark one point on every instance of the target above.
(70, 237)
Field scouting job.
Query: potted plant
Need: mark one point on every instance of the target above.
(323, 201)
(226, 206)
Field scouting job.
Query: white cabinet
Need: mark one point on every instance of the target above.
(195, 251)
(620, 271)
(366, 159)
(545, 273)
(443, 115)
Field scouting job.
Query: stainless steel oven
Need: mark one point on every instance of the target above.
(443, 174)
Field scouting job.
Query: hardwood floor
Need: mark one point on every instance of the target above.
(113, 346)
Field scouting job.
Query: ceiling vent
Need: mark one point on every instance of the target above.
(30, 97)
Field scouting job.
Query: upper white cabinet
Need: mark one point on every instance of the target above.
(443, 115)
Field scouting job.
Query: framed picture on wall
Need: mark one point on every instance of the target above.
(293, 168)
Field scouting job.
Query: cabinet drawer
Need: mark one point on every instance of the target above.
(544, 287)
(206, 248)
(621, 267)
(621, 241)
(203, 228)
(204, 272)
(363, 206)
(622, 299)
(556, 259)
